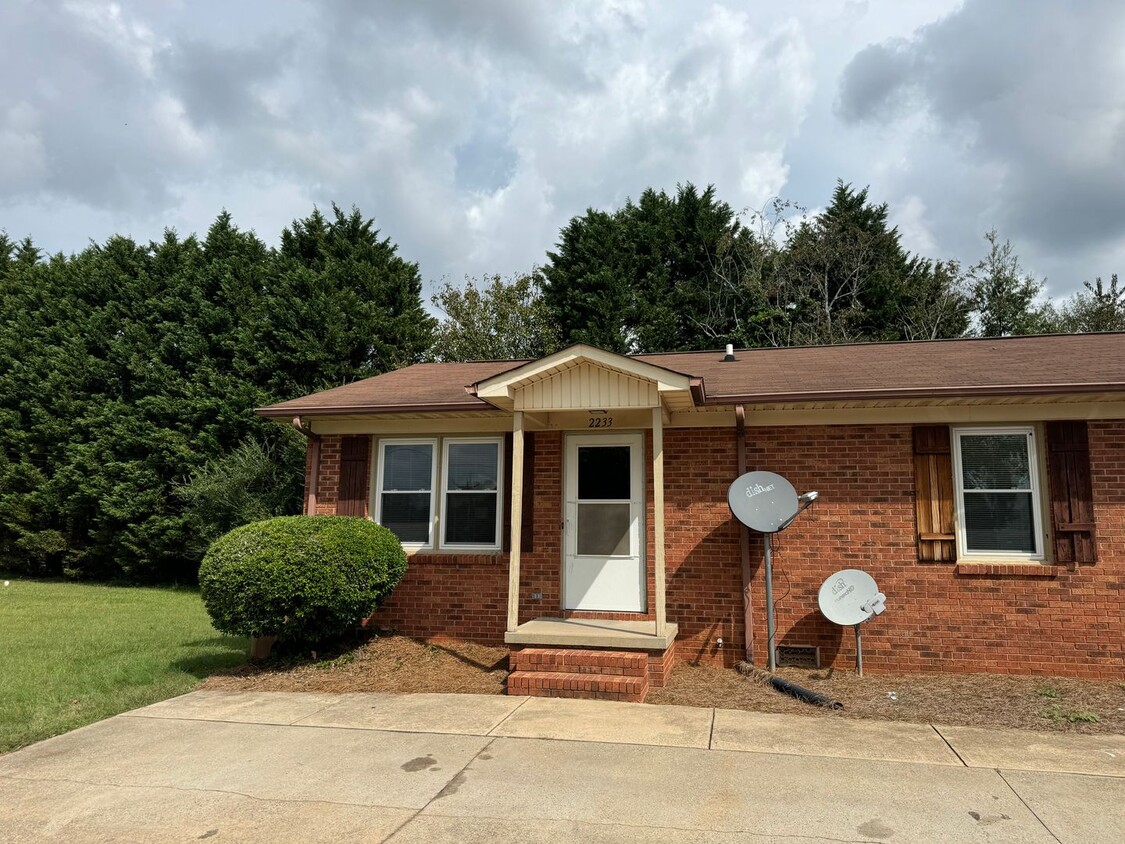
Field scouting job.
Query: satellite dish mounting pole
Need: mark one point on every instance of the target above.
(767, 503)
(771, 628)
(858, 650)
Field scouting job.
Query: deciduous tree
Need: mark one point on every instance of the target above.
(494, 319)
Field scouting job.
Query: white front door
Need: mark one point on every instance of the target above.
(604, 492)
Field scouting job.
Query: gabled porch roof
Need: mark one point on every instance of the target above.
(582, 377)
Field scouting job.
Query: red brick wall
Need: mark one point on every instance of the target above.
(939, 617)
(328, 488)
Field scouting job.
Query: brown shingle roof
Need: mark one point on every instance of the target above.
(424, 386)
(987, 366)
(995, 366)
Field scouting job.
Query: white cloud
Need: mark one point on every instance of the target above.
(473, 132)
(23, 158)
(1026, 124)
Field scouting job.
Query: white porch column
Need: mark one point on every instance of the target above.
(658, 514)
(517, 522)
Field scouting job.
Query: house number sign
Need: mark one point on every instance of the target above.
(600, 422)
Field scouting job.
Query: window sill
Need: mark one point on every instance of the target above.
(450, 557)
(1005, 569)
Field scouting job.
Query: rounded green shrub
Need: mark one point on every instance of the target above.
(300, 578)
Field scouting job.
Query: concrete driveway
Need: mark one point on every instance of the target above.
(237, 766)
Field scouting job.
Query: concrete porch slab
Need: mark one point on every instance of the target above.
(592, 633)
(473, 715)
(837, 737)
(1102, 755)
(241, 707)
(609, 721)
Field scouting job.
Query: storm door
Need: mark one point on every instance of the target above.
(604, 528)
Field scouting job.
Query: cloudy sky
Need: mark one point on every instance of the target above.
(472, 131)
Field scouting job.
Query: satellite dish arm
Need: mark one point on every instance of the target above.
(804, 501)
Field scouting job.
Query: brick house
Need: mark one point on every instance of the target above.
(574, 507)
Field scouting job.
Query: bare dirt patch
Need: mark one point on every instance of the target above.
(384, 664)
(977, 700)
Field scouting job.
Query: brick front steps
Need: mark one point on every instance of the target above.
(585, 673)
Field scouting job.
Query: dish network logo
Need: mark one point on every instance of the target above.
(757, 489)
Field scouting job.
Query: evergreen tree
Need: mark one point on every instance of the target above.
(586, 291)
(1005, 299)
(126, 370)
(339, 304)
(643, 279)
(847, 278)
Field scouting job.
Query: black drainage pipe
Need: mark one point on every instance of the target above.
(803, 694)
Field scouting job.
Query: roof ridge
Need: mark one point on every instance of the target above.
(1006, 338)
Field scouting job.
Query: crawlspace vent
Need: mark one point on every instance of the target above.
(798, 656)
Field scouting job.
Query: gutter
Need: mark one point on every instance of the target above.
(744, 540)
(314, 465)
(921, 393)
(283, 412)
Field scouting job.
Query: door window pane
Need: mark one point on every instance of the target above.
(999, 521)
(603, 529)
(603, 472)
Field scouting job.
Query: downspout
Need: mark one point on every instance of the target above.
(314, 465)
(744, 538)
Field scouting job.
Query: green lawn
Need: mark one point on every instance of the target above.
(74, 653)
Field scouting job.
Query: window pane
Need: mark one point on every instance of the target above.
(999, 521)
(995, 461)
(407, 515)
(603, 472)
(472, 466)
(407, 467)
(470, 518)
(603, 529)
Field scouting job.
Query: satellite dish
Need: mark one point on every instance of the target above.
(850, 597)
(762, 501)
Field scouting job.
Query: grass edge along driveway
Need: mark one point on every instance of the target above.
(74, 653)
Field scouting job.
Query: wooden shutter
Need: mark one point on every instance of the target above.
(933, 494)
(527, 523)
(1071, 492)
(355, 466)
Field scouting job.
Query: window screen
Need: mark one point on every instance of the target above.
(472, 493)
(407, 490)
(997, 493)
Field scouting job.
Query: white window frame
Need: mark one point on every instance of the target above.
(499, 443)
(379, 469)
(963, 551)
